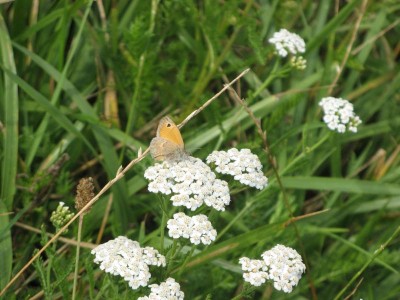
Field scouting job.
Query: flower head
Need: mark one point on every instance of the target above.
(169, 289)
(286, 42)
(127, 259)
(285, 267)
(191, 183)
(281, 264)
(243, 165)
(197, 228)
(84, 193)
(61, 216)
(339, 114)
(254, 271)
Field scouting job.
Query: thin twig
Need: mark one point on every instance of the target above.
(354, 290)
(375, 37)
(118, 176)
(61, 239)
(208, 102)
(105, 219)
(6, 213)
(295, 219)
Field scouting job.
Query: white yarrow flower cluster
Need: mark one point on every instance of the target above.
(281, 264)
(286, 42)
(243, 165)
(191, 182)
(127, 259)
(339, 114)
(197, 228)
(285, 267)
(169, 289)
(254, 271)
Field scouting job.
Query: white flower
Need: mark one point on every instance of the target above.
(191, 183)
(127, 259)
(285, 42)
(285, 267)
(197, 228)
(254, 271)
(282, 265)
(169, 289)
(339, 114)
(243, 165)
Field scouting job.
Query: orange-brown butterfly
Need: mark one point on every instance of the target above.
(168, 144)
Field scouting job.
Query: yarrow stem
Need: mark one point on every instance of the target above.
(162, 228)
(188, 256)
(273, 74)
(171, 255)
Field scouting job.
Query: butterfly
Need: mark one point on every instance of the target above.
(168, 144)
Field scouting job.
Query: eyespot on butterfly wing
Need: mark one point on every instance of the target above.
(168, 130)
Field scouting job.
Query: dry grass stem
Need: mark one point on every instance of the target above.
(295, 219)
(110, 184)
(208, 102)
(61, 239)
(375, 37)
(105, 219)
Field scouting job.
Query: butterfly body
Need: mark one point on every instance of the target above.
(168, 144)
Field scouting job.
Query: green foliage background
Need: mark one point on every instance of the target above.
(65, 70)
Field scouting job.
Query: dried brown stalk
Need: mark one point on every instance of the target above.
(120, 173)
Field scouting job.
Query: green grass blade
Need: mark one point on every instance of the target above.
(44, 22)
(102, 135)
(58, 116)
(341, 185)
(9, 102)
(43, 125)
(332, 25)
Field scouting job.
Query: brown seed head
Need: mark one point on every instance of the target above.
(84, 193)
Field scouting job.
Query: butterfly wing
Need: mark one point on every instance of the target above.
(169, 131)
(163, 149)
